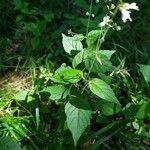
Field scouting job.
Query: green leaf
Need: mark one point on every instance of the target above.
(72, 43)
(57, 92)
(143, 111)
(97, 62)
(107, 53)
(77, 120)
(62, 68)
(145, 70)
(78, 59)
(105, 78)
(21, 95)
(108, 108)
(67, 76)
(102, 90)
(7, 143)
(78, 37)
(92, 37)
(30, 98)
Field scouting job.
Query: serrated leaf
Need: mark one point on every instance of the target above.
(102, 90)
(57, 92)
(77, 120)
(145, 70)
(21, 95)
(72, 43)
(78, 59)
(92, 37)
(7, 143)
(67, 76)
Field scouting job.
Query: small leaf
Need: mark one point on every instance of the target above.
(102, 90)
(92, 37)
(77, 120)
(68, 76)
(21, 95)
(145, 70)
(72, 43)
(136, 125)
(7, 143)
(57, 92)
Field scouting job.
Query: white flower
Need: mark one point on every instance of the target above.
(130, 6)
(87, 13)
(93, 15)
(106, 20)
(125, 10)
(126, 15)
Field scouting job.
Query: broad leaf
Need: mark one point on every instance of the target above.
(67, 76)
(57, 92)
(102, 90)
(143, 111)
(78, 59)
(108, 108)
(7, 143)
(77, 120)
(105, 78)
(145, 70)
(21, 95)
(72, 43)
(97, 62)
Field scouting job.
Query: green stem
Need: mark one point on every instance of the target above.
(89, 17)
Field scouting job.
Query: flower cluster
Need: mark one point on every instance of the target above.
(125, 9)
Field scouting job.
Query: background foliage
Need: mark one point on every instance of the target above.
(33, 95)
